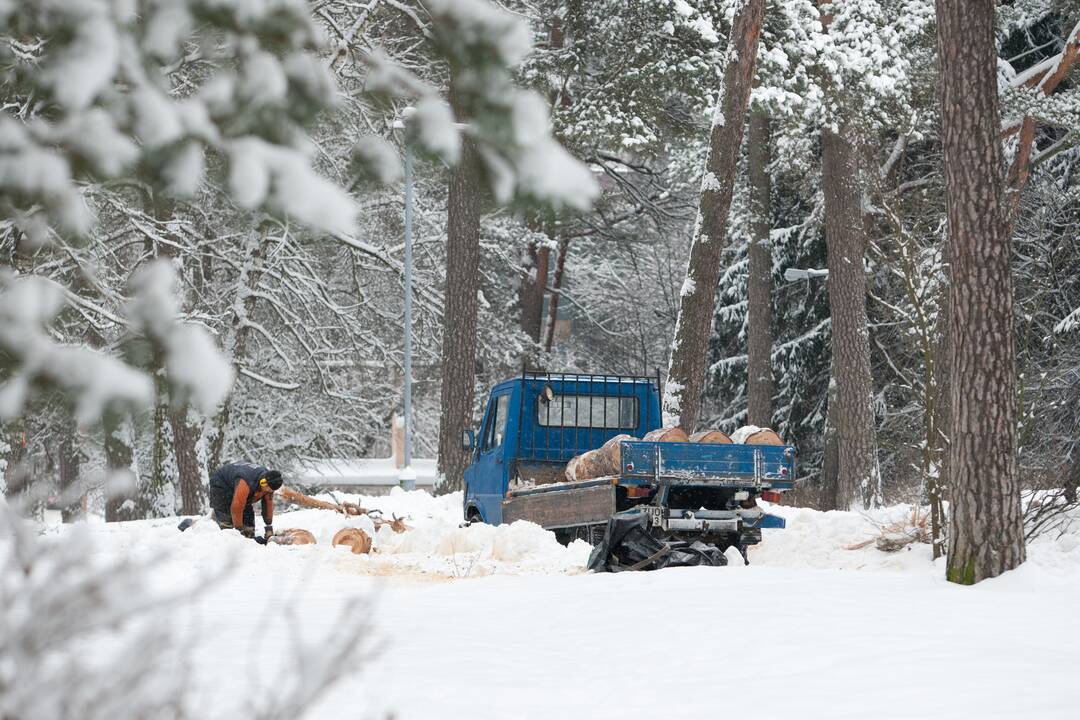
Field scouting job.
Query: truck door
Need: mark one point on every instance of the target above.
(488, 479)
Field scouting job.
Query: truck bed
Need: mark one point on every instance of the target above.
(688, 474)
(559, 505)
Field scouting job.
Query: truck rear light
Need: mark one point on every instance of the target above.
(637, 492)
(770, 496)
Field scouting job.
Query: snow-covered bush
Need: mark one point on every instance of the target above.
(82, 636)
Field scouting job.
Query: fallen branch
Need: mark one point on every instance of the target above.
(345, 508)
(898, 535)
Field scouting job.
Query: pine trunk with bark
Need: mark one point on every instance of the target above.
(937, 485)
(986, 531)
(236, 341)
(556, 293)
(533, 285)
(122, 501)
(759, 285)
(858, 478)
(830, 460)
(69, 461)
(689, 352)
(186, 431)
(159, 492)
(464, 203)
(16, 474)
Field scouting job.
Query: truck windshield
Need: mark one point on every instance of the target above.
(596, 411)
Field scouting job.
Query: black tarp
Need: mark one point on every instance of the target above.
(628, 544)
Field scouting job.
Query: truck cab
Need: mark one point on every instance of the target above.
(535, 423)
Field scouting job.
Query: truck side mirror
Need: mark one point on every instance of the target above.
(468, 440)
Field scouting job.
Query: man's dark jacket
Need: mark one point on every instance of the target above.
(223, 487)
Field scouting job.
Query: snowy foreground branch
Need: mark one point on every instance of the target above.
(83, 635)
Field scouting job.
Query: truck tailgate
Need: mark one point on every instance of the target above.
(563, 504)
(759, 466)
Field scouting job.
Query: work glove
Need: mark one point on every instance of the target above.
(268, 532)
(248, 532)
(261, 540)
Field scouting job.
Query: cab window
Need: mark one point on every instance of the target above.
(496, 428)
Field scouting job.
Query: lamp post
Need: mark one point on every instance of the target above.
(407, 476)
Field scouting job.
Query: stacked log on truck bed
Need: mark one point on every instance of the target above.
(672, 434)
(764, 436)
(606, 461)
(714, 437)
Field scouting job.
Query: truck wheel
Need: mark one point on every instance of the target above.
(473, 516)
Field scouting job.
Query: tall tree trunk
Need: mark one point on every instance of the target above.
(533, 284)
(859, 478)
(937, 486)
(16, 472)
(158, 494)
(556, 293)
(186, 431)
(830, 461)
(759, 285)
(686, 370)
(986, 531)
(69, 460)
(459, 313)
(216, 432)
(122, 499)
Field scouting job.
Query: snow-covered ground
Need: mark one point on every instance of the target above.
(486, 622)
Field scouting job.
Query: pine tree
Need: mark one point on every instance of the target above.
(986, 533)
(686, 370)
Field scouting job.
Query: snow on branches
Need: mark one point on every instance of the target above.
(91, 87)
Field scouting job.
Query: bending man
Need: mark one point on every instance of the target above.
(234, 490)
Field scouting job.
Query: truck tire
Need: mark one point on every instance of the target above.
(591, 534)
(472, 515)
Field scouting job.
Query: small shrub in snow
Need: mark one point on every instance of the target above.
(83, 635)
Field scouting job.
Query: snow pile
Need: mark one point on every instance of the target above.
(801, 613)
(437, 544)
(830, 540)
(815, 539)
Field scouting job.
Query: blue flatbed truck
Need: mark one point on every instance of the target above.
(683, 492)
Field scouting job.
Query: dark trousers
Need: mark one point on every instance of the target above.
(221, 502)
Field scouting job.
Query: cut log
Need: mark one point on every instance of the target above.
(714, 437)
(604, 461)
(345, 536)
(355, 538)
(585, 467)
(293, 536)
(764, 436)
(672, 434)
(362, 544)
